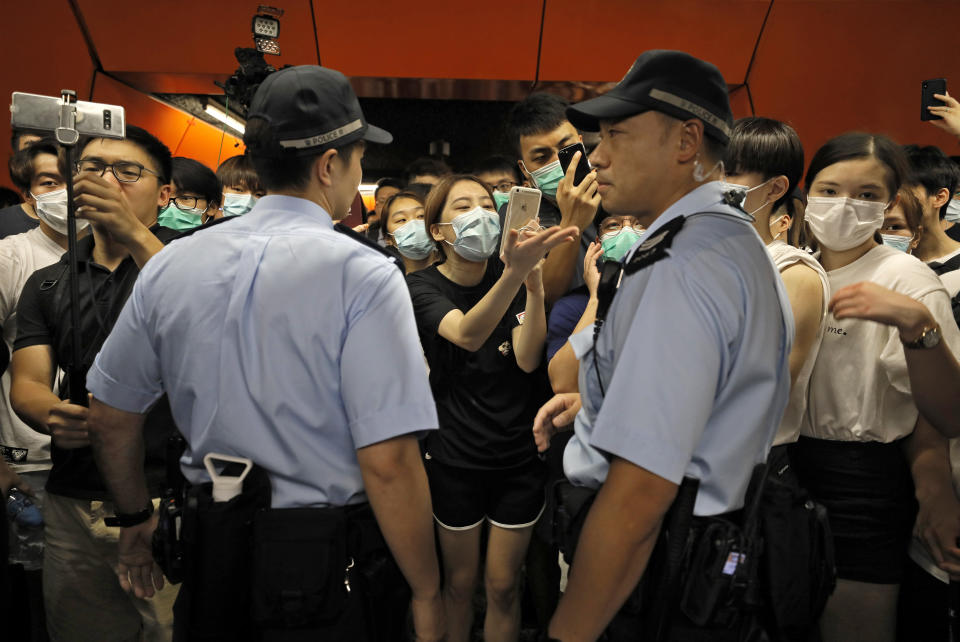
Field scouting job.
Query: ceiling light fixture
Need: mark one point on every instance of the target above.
(225, 117)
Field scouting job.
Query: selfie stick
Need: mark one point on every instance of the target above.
(68, 136)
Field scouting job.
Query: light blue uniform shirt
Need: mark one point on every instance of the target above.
(278, 339)
(694, 359)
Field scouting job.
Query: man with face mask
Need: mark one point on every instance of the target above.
(686, 379)
(298, 315)
(539, 128)
(38, 173)
(119, 187)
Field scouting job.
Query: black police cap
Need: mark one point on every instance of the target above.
(309, 109)
(672, 82)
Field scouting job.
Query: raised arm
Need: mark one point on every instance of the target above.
(805, 291)
(934, 373)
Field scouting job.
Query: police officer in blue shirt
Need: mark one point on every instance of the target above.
(688, 376)
(268, 332)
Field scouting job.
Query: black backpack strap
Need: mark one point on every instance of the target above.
(948, 266)
(363, 240)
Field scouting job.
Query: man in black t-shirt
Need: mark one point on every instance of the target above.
(119, 188)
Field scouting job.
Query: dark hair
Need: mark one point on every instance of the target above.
(437, 200)
(420, 189)
(538, 113)
(854, 145)
(767, 147)
(385, 212)
(283, 171)
(193, 176)
(19, 133)
(912, 210)
(22, 170)
(388, 181)
(238, 170)
(498, 163)
(427, 167)
(931, 169)
(9, 197)
(157, 151)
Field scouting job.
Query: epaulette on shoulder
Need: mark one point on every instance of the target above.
(360, 238)
(654, 248)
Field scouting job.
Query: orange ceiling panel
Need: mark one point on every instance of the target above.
(496, 39)
(829, 66)
(40, 65)
(598, 40)
(181, 132)
(186, 36)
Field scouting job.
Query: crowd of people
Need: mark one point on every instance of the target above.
(710, 391)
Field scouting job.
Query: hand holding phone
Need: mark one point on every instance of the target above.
(522, 207)
(927, 90)
(565, 156)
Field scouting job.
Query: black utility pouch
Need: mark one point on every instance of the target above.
(301, 569)
(572, 504)
(715, 579)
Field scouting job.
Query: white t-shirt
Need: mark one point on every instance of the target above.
(785, 256)
(951, 280)
(860, 388)
(20, 256)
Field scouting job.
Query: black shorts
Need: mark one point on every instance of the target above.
(464, 497)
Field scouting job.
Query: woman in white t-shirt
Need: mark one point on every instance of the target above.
(854, 455)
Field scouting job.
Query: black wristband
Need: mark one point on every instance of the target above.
(126, 520)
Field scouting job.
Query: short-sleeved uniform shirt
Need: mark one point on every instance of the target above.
(485, 402)
(693, 357)
(23, 448)
(15, 220)
(277, 339)
(43, 318)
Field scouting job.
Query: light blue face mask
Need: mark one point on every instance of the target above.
(897, 242)
(548, 177)
(953, 211)
(616, 244)
(478, 232)
(238, 204)
(174, 218)
(413, 241)
(500, 199)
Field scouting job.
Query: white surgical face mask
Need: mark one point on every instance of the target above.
(52, 210)
(843, 223)
(953, 210)
(734, 187)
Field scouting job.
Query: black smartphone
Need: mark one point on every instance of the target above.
(565, 155)
(928, 89)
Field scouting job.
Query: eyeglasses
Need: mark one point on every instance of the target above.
(615, 225)
(124, 171)
(502, 186)
(190, 203)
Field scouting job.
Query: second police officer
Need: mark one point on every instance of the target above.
(267, 332)
(683, 387)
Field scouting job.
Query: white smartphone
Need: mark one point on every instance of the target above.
(32, 111)
(523, 206)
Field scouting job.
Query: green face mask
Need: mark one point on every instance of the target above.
(548, 178)
(500, 199)
(616, 244)
(174, 218)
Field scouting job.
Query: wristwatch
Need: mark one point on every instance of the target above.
(126, 520)
(929, 338)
